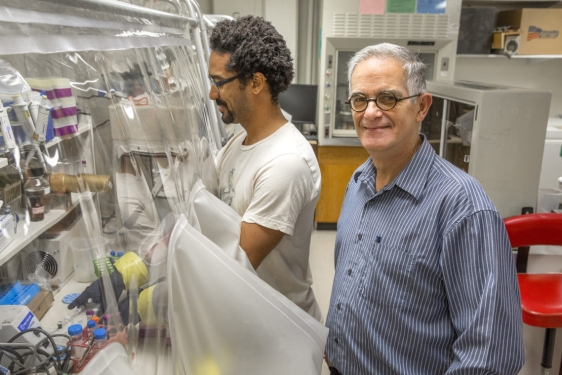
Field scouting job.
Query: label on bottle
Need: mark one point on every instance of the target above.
(37, 210)
(47, 190)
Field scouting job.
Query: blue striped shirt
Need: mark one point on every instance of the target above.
(425, 281)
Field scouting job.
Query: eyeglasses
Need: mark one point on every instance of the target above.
(385, 101)
(218, 84)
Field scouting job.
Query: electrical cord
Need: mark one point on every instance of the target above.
(48, 361)
(14, 352)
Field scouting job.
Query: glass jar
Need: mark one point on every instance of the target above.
(37, 192)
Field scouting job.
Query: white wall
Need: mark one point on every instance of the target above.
(527, 73)
(283, 15)
(236, 8)
(206, 6)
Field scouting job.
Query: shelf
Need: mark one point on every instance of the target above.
(28, 232)
(510, 4)
(530, 58)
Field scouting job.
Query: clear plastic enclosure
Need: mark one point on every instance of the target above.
(107, 134)
(105, 129)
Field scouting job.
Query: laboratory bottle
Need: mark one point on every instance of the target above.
(76, 340)
(89, 314)
(90, 328)
(37, 195)
(96, 319)
(11, 180)
(104, 322)
(100, 338)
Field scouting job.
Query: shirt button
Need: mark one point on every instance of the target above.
(336, 340)
(359, 236)
(338, 306)
(349, 271)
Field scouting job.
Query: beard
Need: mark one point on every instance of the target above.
(227, 116)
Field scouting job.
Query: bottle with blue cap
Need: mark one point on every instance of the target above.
(76, 339)
(90, 327)
(119, 254)
(100, 338)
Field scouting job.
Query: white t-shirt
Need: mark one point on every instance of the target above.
(276, 183)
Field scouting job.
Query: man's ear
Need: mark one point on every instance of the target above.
(424, 102)
(258, 82)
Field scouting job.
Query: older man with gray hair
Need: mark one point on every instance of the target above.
(425, 282)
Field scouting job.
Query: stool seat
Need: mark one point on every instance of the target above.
(541, 299)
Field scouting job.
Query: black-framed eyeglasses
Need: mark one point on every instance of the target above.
(218, 84)
(385, 101)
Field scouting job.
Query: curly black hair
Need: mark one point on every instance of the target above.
(255, 46)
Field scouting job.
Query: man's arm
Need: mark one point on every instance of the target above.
(282, 189)
(258, 241)
(484, 304)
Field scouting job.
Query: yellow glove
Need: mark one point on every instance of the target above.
(145, 307)
(132, 269)
(152, 305)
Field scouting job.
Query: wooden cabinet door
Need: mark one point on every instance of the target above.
(337, 164)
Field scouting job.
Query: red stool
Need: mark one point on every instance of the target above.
(541, 294)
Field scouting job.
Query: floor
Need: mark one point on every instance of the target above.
(322, 266)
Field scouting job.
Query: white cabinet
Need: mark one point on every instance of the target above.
(495, 133)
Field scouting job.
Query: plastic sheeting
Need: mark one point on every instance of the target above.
(128, 153)
(218, 222)
(237, 323)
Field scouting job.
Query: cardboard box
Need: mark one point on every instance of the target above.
(506, 42)
(41, 303)
(540, 29)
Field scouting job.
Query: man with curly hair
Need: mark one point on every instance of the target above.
(268, 172)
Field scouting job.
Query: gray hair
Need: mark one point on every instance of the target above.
(414, 68)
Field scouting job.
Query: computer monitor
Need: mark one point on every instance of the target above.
(299, 101)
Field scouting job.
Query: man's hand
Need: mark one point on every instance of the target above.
(130, 272)
(258, 241)
(93, 292)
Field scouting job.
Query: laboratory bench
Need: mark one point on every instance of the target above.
(149, 356)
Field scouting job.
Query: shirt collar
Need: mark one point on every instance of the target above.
(412, 178)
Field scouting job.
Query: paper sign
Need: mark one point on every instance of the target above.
(401, 6)
(371, 6)
(431, 6)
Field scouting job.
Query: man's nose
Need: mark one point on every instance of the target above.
(213, 93)
(372, 111)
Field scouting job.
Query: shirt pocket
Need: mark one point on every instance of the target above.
(386, 277)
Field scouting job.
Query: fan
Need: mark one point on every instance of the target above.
(52, 252)
(40, 259)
